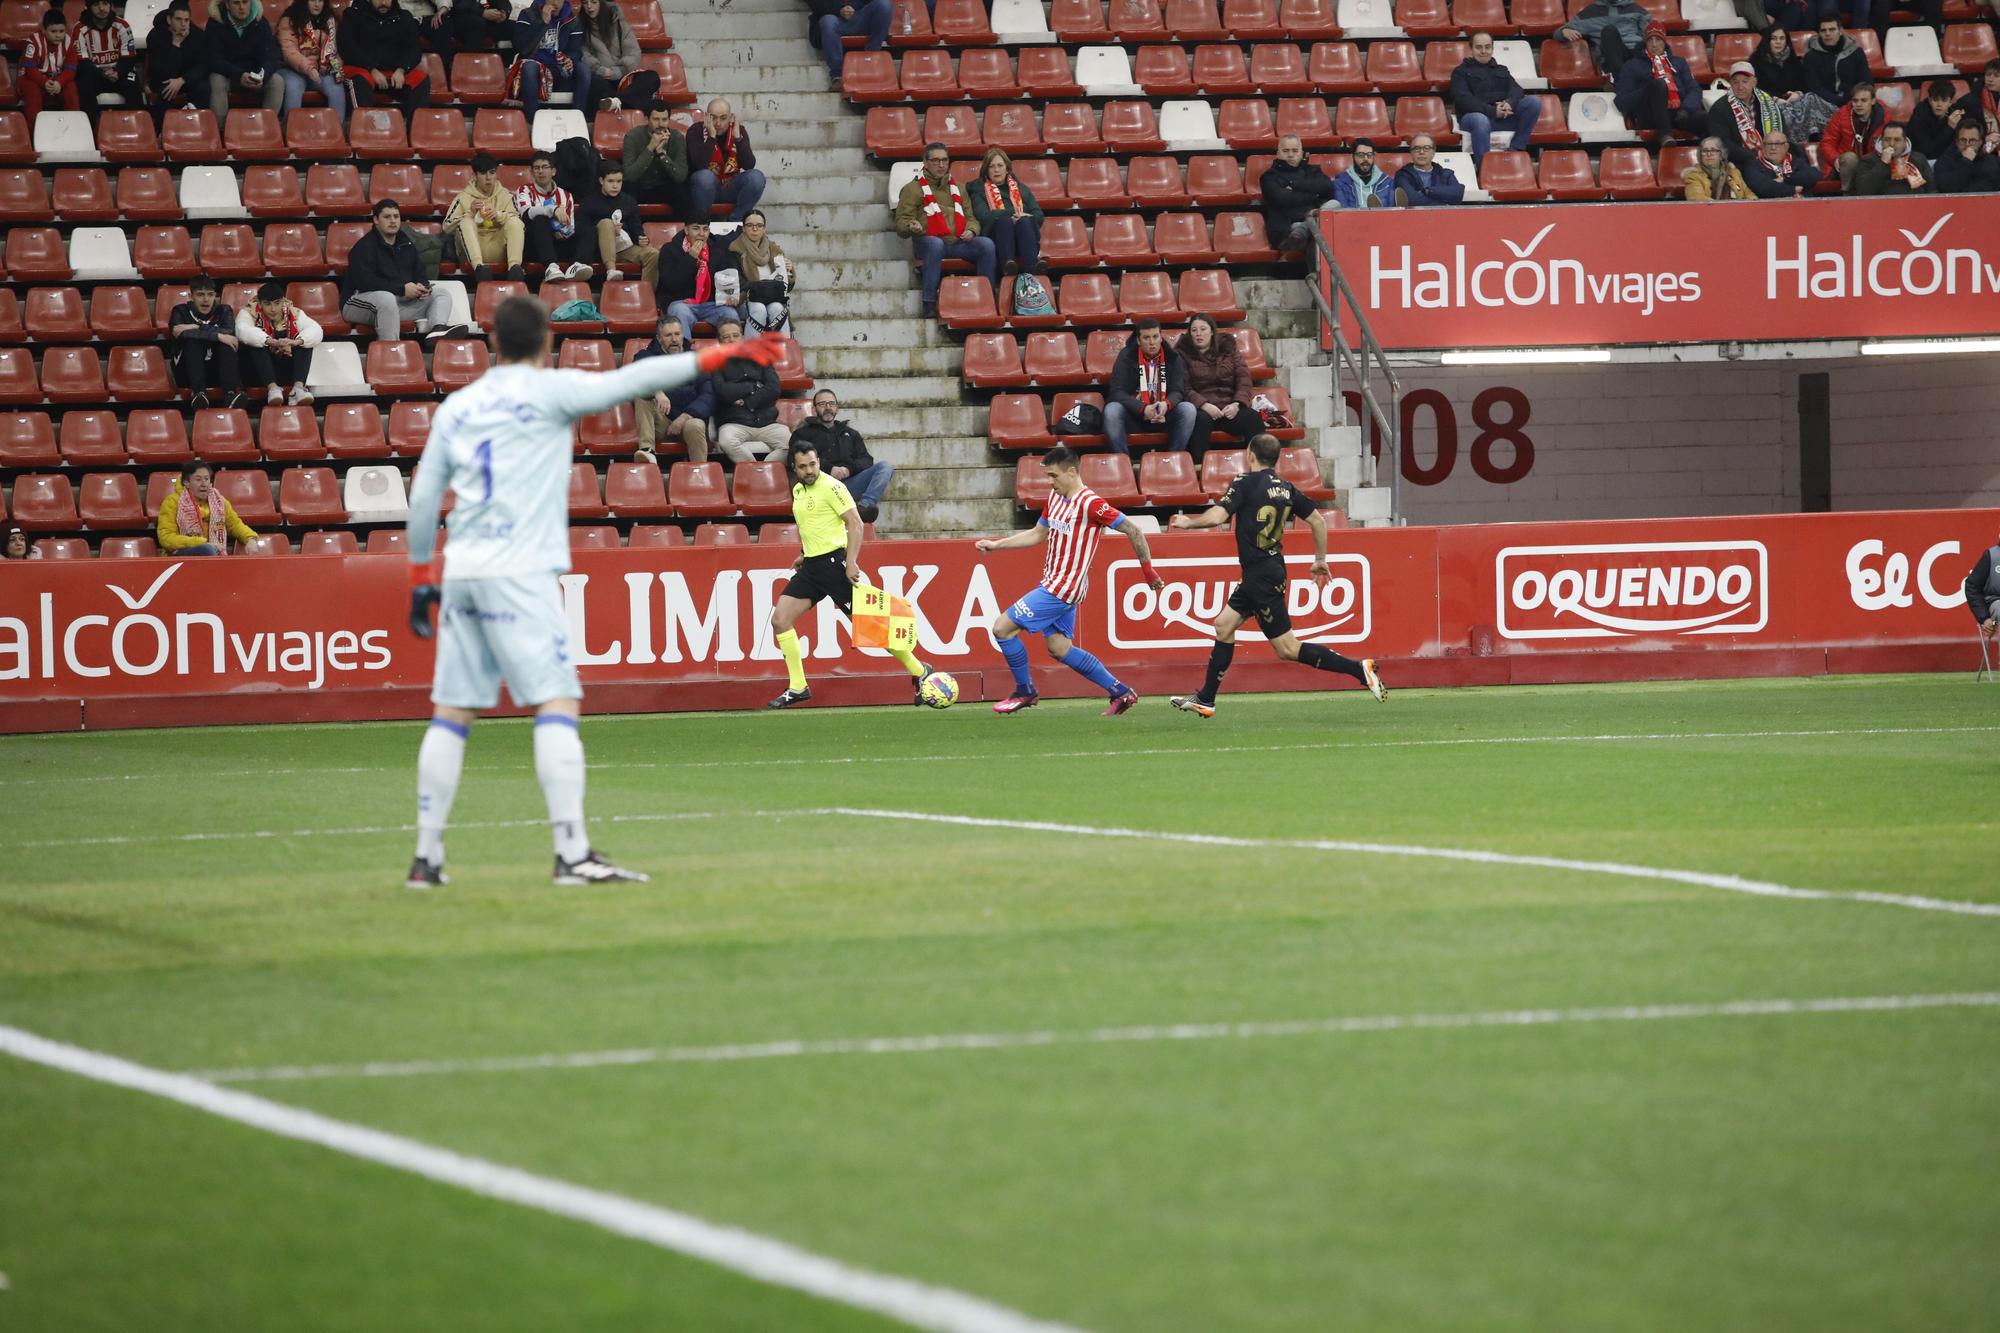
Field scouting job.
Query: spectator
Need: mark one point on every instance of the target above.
(197, 519)
(746, 405)
(277, 340)
(767, 276)
(1218, 384)
(464, 25)
(933, 213)
(1294, 189)
(107, 57)
(383, 52)
(844, 455)
(1148, 389)
(835, 19)
(1487, 98)
(691, 270)
(176, 63)
(609, 220)
(1714, 177)
(1008, 215)
(721, 164)
(548, 221)
(1852, 133)
(1982, 592)
(1894, 168)
(1422, 183)
(1657, 91)
(311, 56)
(386, 284)
(1779, 173)
(663, 418)
(1742, 119)
(243, 57)
(1781, 71)
(1835, 65)
(204, 340)
(548, 46)
(1983, 104)
(1934, 124)
(656, 163)
(1612, 29)
(48, 68)
(17, 545)
(486, 223)
(611, 50)
(1968, 168)
(1364, 185)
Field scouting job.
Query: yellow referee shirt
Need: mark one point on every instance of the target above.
(819, 511)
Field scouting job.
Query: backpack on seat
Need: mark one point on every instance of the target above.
(1031, 296)
(1081, 419)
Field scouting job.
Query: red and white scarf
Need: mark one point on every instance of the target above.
(289, 329)
(1013, 195)
(1752, 129)
(188, 520)
(1663, 70)
(722, 156)
(935, 222)
(1153, 377)
(704, 281)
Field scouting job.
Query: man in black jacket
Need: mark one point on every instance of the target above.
(1982, 591)
(1293, 189)
(243, 57)
(1835, 64)
(385, 282)
(204, 339)
(746, 405)
(691, 270)
(1148, 391)
(1967, 168)
(844, 455)
(1487, 98)
(176, 63)
(382, 48)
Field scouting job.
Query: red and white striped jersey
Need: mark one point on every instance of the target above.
(105, 47)
(1074, 523)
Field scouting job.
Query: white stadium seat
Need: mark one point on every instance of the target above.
(900, 175)
(336, 372)
(140, 14)
(1019, 21)
(1914, 54)
(1519, 58)
(1368, 18)
(457, 301)
(1595, 118)
(1189, 125)
(1461, 167)
(1712, 16)
(65, 136)
(211, 192)
(1105, 71)
(374, 495)
(551, 127)
(100, 253)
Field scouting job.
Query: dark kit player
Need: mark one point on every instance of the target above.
(1262, 503)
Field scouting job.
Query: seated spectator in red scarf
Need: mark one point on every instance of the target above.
(1656, 90)
(691, 280)
(1218, 384)
(48, 68)
(1968, 168)
(1746, 116)
(107, 57)
(205, 345)
(1779, 172)
(1148, 390)
(1983, 104)
(277, 339)
(1853, 133)
(721, 165)
(1895, 168)
(196, 519)
(934, 213)
(1008, 215)
(384, 56)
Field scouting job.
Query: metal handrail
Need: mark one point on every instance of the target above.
(1359, 365)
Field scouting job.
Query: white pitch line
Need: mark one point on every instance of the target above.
(253, 835)
(758, 1257)
(997, 1041)
(1699, 878)
(1036, 756)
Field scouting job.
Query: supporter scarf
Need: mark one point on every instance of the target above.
(1663, 70)
(1768, 119)
(1904, 170)
(1153, 377)
(935, 221)
(762, 258)
(1783, 171)
(288, 329)
(1989, 106)
(722, 156)
(188, 520)
(1013, 196)
(704, 282)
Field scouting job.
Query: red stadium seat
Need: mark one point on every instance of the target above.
(157, 437)
(699, 490)
(1215, 180)
(403, 182)
(1300, 467)
(146, 194)
(28, 439)
(110, 502)
(73, 375)
(586, 499)
(1031, 481)
(1307, 118)
(396, 368)
(1240, 239)
(1363, 118)
(1110, 475)
(409, 428)
(724, 534)
(1510, 177)
(11, 328)
(1044, 177)
(1219, 467)
(1163, 71)
(1280, 68)
(128, 136)
(1283, 402)
(1075, 21)
(44, 503)
(1120, 239)
(1666, 13)
(325, 543)
(1441, 58)
(222, 435)
(1627, 173)
(273, 192)
(661, 534)
(248, 491)
(1182, 238)
(387, 541)
(289, 434)
(377, 133)
(36, 254)
(127, 548)
(313, 133)
(17, 146)
(1134, 21)
(1211, 292)
(1053, 358)
(1393, 67)
(478, 78)
(587, 354)
(984, 74)
(1167, 477)
(89, 439)
(636, 490)
(191, 136)
(1221, 71)
(500, 131)
(925, 76)
(762, 489)
(1148, 294)
(1425, 18)
(1094, 182)
(1010, 126)
(457, 362)
(17, 377)
(1194, 21)
(1045, 72)
(1130, 127)
(1567, 65)
(1675, 159)
(81, 194)
(291, 250)
(62, 548)
(1969, 46)
(1061, 405)
(956, 127)
(869, 77)
(1731, 47)
(1155, 182)
(334, 190)
(1309, 20)
(1246, 123)
(607, 131)
(993, 360)
(321, 300)
(613, 432)
(56, 315)
(1253, 20)
(311, 495)
(1423, 115)
(674, 90)
(1539, 18)
(893, 133)
(967, 303)
(1071, 127)
(252, 135)
(1564, 173)
(1088, 298)
(354, 430)
(165, 252)
(1018, 421)
(229, 250)
(593, 537)
(438, 134)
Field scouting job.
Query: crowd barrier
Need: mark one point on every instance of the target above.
(102, 644)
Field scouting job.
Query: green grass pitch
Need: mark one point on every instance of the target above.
(1833, 1170)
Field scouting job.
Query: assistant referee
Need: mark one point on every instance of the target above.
(829, 565)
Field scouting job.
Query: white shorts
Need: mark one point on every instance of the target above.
(507, 628)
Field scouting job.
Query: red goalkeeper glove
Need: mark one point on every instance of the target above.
(765, 349)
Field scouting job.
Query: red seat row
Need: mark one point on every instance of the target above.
(1090, 299)
(997, 361)
(310, 134)
(689, 490)
(1167, 479)
(159, 437)
(113, 502)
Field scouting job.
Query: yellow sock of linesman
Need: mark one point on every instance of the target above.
(795, 667)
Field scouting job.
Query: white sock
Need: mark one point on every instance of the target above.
(439, 760)
(559, 767)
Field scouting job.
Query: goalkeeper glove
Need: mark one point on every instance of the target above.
(424, 597)
(765, 349)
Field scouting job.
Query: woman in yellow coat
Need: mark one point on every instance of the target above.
(196, 520)
(1714, 177)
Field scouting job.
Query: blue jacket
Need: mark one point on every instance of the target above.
(536, 39)
(698, 400)
(234, 52)
(1348, 187)
(1444, 187)
(1638, 72)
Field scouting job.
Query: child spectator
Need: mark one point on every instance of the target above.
(48, 68)
(205, 343)
(278, 339)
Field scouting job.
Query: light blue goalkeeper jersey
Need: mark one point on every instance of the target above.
(503, 445)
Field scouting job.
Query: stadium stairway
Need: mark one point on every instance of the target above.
(857, 315)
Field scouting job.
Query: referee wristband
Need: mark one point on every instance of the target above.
(422, 574)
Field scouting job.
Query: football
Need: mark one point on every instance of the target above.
(939, 690)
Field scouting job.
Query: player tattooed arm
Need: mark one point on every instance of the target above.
(1145, 554)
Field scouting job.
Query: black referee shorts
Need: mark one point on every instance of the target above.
(1262, 594)
(823, 576)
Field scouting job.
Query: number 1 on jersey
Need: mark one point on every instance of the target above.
(483, 456)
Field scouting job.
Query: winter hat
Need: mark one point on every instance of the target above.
(1743, 67)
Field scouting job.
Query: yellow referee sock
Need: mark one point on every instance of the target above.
(788, 644)
(909, 661)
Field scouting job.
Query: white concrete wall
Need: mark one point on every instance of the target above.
(1668, 440)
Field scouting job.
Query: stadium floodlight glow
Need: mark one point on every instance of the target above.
(1529, 356)
(1930, 346)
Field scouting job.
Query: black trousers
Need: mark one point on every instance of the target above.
(125, 81)
(674, 196)
(205, 365)
(409, 97)
(1654, 114)
(261, 365)
(638, 90)
(1237, 430)
(543, 246)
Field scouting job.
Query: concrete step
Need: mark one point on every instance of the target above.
(867, 302)
(826, 274)
(796, 181)
(907, 422)
(803, 240)
(816, 331)
(1273, 294)
(710, 52)
(844, 134)
(952, 483)
(904, 451)
(745, 26)
(760, 77)
(849, 217)
(947, 517)
(731, 8)
(916, 390)
(862, 363)
(757, 109)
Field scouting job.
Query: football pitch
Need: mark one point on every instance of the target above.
(1320, 1015)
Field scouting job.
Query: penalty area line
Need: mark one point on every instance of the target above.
(1166, 1032)
(758, 1257)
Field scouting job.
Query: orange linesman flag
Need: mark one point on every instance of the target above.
(882, 621)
